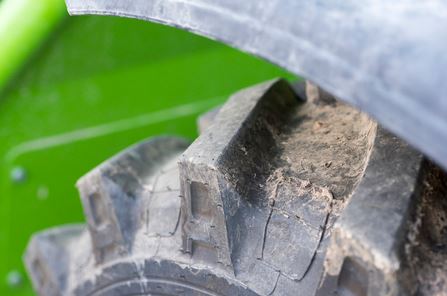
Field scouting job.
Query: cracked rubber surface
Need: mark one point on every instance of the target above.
(278, 195)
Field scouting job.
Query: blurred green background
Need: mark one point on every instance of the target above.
(76, 90)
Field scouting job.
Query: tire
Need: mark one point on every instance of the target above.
(282, 194)
(392, 70)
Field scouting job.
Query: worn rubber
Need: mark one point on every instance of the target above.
(384, 57)
(279, 195)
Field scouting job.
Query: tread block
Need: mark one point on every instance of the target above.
(371, 229)
(130, 191)
(206, 188)
(260, 182)
(47, 259)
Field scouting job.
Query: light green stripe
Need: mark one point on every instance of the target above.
(111, 128)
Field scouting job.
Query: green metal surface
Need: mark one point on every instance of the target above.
(98, 85)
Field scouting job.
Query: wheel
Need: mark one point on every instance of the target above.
(286, 191)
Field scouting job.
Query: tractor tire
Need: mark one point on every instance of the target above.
(287, 191)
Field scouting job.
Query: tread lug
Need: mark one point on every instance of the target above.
(364, 254)
(116, 194)
(46, 259)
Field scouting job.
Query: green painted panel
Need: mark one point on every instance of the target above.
(97, 86)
